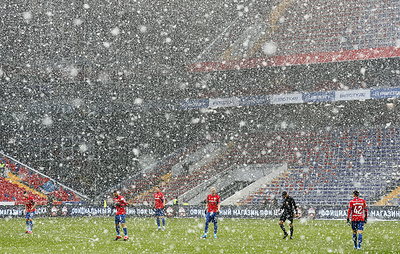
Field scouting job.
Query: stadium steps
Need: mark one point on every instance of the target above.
(166, 177)
(276, 13)
(147, 193)
(140, 184)
(248, 200)
(181, 184)
(386, 200)
(16, 180)
(35, 182)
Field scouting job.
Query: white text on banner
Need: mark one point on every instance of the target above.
(349, 95)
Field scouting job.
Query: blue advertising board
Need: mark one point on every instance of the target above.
(193, 104)
(254, 100)
(349, 95)
(319, 96)
(342, 95)
(384, 93)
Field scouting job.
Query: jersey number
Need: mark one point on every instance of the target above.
(358, 209)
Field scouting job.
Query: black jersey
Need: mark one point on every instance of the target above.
(289, 206)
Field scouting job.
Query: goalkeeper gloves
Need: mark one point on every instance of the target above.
(348, 221)
(365, 220)
(205, 211)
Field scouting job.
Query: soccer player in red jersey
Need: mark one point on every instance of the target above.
(30, 208)
(159, 203)
(359, 213)
(120, 204)
(213, 205)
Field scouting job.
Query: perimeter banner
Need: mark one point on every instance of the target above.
(307, 212)
(348, 95)
(383, 93)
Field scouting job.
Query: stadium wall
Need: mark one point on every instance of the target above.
(248, 212)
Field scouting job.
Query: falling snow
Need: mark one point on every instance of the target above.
(270, 48)
(251, 97)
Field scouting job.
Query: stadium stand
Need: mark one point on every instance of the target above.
(327, 166)
(13, 190)
(305, 32)
(21, 179)
(393, 198)
(175, 186)
(299, 33)
(139, 188)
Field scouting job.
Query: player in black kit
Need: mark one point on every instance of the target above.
(289, 209)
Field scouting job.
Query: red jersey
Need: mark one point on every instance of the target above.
(357, 210)
(213, 202)
(120, 203)
(159, 197)
(29, 203)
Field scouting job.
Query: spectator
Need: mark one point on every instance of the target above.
(265, 203)
(275, 203)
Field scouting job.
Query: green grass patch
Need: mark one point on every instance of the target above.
(96, 235)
